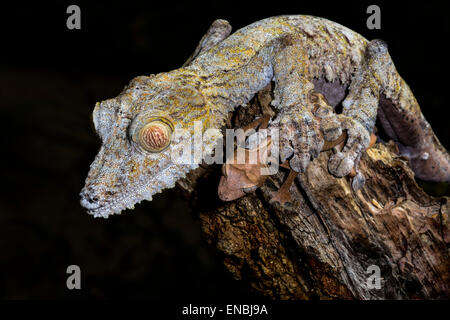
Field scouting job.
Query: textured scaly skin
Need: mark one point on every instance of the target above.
(296, 52)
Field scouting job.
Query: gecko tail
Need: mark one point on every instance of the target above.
(403, 121)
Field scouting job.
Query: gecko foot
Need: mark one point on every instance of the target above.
(358, 140)
(358, 180)
(281, 197)
(299, 141)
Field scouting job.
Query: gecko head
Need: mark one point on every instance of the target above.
(147, 135)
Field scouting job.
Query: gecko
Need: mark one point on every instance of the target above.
(297, 53)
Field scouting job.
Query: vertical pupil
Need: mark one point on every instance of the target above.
(155, 137)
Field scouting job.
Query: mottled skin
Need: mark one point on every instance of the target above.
(298, 53)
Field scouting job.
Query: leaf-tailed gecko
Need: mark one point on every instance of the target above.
(299, 54)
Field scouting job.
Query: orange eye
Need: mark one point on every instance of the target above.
(155, 136)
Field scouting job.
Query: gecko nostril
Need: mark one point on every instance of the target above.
(89, 201)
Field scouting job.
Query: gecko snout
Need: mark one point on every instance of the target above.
(89, 200)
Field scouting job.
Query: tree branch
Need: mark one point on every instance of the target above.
(322, 245)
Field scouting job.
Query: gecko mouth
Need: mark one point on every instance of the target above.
(101, 203)
(114, 203)
(89, 203)
(106, 207)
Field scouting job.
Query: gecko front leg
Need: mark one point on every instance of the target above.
(299, 140)
(360, 112)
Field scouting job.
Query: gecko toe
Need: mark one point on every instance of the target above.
(331, 131)
(340, 165)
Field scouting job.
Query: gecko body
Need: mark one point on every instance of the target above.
(299, 54)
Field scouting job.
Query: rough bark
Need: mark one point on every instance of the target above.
(322, 245)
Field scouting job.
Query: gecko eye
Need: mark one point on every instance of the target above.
(156, 135)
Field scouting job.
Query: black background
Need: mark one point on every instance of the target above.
(50, 79)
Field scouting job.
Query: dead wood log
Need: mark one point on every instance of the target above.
(323, 244)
